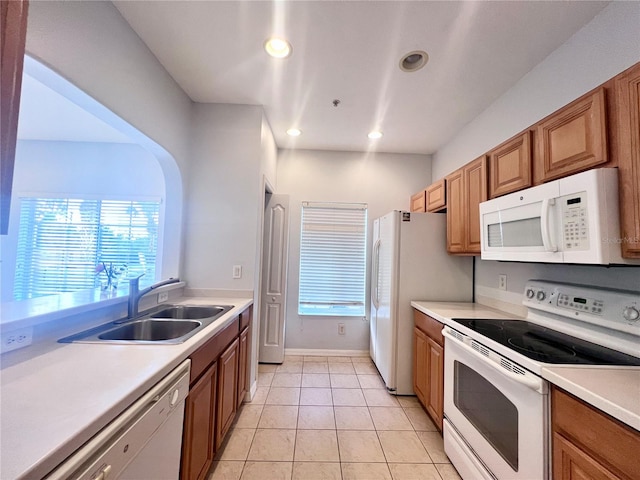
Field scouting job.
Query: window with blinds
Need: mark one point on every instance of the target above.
(333, 259)
(61, 241)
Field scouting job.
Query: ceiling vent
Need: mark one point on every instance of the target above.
(414, 61)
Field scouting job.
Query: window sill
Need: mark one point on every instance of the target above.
(27, 313)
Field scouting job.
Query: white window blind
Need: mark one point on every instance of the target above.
(333, 259)
(60, 242)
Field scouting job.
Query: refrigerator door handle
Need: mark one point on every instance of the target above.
(375, 294)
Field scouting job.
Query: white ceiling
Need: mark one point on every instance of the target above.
(350, 50)
(346, 50)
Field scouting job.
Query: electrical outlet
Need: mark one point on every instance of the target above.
(16, 339)
(341, 329)
(163, 297)
(237, 271)
(502, 281)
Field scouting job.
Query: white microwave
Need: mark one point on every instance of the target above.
(571, 220)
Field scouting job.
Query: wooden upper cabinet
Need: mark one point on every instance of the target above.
(418, 202)
(13, 31)
(572, 139)
(627, 138)
(436, 199)
(475, 174)
(466, 188)
(455, 212)
(510, 166)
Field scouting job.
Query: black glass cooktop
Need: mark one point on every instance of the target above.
(545, 345)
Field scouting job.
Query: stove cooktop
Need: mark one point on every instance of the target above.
(546, 345)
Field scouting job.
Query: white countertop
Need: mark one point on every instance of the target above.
(614, 390)
(65, 393)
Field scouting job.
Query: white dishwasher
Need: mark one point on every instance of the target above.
(143, 443)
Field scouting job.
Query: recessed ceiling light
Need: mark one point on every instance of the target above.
(375, 135)
(294, 132)
(278, 47)
(413, 61)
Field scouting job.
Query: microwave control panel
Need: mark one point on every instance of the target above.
(575, 223)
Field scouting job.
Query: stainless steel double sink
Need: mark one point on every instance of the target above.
(164, 324)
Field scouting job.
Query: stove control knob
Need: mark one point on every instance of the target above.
(541, 295)
(631, 314)
(530, 293)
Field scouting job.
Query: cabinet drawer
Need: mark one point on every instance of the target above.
(210, 351)
(608, 441)
(430, 326)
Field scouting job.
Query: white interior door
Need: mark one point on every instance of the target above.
(274, 279)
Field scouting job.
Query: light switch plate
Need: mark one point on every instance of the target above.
(237, 271)
(502, 281)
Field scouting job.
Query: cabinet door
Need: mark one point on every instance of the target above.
(436, 198)
(627, 88)
(243, 365)
(572, 139)
(435, 396)
(420, 364)
(455, 212)
(475, 184)
(227, 391)
(510, 166)
(198, 445)
(13, 31)
(571, 463)
(417, 202)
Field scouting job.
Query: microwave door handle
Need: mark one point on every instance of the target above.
(549, 246)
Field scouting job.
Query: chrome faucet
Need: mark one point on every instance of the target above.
(135, 294)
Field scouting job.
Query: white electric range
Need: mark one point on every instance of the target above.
(496, 403)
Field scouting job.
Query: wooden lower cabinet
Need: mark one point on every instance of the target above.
(420, 365)
(218, 383)
(428, 365)
(227, 391)
(199, 426)
(589, 444)
(243, 363)
(435, 397)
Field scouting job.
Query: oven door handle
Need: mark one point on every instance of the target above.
(536, 383)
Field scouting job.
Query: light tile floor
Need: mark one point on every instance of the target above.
(330, 418)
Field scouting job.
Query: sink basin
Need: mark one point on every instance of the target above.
(151, 330)
(188, 312)
(164, 324)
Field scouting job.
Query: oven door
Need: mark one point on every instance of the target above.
(500, 418)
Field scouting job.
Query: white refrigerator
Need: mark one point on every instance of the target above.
(409, 262)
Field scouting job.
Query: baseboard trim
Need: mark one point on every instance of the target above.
(326, 353)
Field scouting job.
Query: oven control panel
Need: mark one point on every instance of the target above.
(614, 309)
